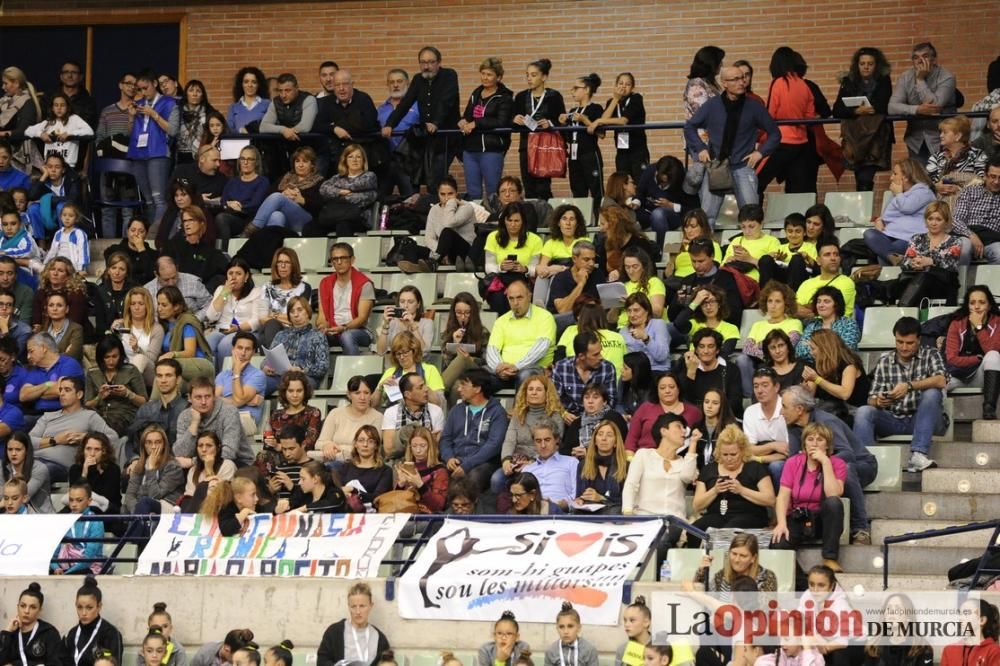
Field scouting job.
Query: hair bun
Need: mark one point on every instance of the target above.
(566, 606)
(160, 607)
(639, 601)
(90, 581)
(507, 615)
(287, 644)
(34, 586)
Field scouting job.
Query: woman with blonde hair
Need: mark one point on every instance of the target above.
(903, 217)
(407, 353)
(958, 163)
(19, 110)
(423, 471)
(346, 196)
(742, 559)
(537, 399)
(778, 305)
(930, 263)
(600, 478)
(231, 503)
(60, 277)
(157, 480)
(733, 491)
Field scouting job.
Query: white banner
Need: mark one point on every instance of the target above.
(28, 542)
(475, 571)
(293, 544)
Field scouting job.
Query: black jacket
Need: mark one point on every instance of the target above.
(436, 99)
(550, 108)
(879, 99)
(331, 648)
(81, 104)
(143, 263)
(45, 649)
(72, 189)
(108, 638)
(721, 279)
(202, 260)
(498, 111)
(360, 119)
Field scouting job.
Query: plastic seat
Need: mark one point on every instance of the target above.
(856, 206)
(889, 477)
(367, 251)
(986, 274)
(845, 234)
(455, 283)
(314, 254)
(877, 330)
(585, 204)
(110, 166)
(321, 404)
(236, 244)
(348, 366)
(728, 217)
(750, 317)
(426, 284)
(779, 205)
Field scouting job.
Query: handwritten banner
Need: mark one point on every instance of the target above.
(475, 571)
(28, 542)
(293, 544)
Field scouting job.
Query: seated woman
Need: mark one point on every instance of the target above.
(646, 333)
(361, 643)
(640, 278)
(336, 439)
(619, 193)
(709, 308)
(236, 305)
(828, 304)
(242, 195)
(619, 233)
(346, 196)
(600, 477)
(930, 263)
(903, 218)
(742, 559)
(111, 291)
(294, 393)
(694, 225)
(972, 346)
(157, 481)
(837, 377)
(718, 415)
(423, 471)
(182, 195)
(231, 503)
(60, 277)
(590, 317)
(194, 251)
(319, 491)
(208, 471)
(286, 283)
(366, 474)
(779, 353)
(664, 399)
(410, 310)
(958, 163)
(895, 648)
(732, 491)
(407, 352)
(566, 228)
(297, 200)
(183, 339)
(306, 347)
(67, 334)
(96, 464)
(115, 389)
(580, 431)
(61, 130)
(526, 497)
(536, 400)
(777, 304)
(463, 327)
(19, 461)
(511, 252)
(636, 376)
(981, 648)
(808, 503)
(450, 231)
(662, 197)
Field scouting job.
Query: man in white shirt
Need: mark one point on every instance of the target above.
(763, 423)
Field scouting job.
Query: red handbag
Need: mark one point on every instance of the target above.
(546, 155)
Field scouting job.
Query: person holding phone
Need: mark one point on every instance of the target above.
(406, 315)
(511, 251)
(423, 471)
(115, 389)
(464, 339)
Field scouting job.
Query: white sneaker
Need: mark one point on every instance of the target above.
(919, 462)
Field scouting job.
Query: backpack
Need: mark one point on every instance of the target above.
(747, 286)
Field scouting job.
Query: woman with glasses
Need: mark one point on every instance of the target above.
(406, 352)
(286, 283)
(242, 196)
(367, 468)
(153, 122)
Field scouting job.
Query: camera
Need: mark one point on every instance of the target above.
(398, 313)
(806, 518)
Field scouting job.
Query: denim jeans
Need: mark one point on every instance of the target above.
(222, 346)
(499, 481)
(859, 475)
(744, 187)
(280, 211)
(883, 245)
(662, 220)
(480, 167)
(746, 366)
(353, 340)
(928, 420)
(114, 186)
(152, 176)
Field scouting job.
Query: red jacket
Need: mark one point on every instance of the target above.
(358, 281)
(986, 653)
(790, 99)
(988, 336)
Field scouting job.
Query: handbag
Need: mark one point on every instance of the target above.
(720, 176)
(546, 155)
(398, 501)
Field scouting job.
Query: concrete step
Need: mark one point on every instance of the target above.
(944, 480)
(883, 528)
(909, 562)
(957, 455)
(986, 431)
(873, 582)
(960, 508)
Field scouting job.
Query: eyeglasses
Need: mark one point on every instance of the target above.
(518, 496)
(283, 262)
(248, 159)
(129, 82)
(339, 258)
(403, 352)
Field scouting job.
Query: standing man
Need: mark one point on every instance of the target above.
(435, 92)
(327, 70)
(111, 140)
(349, 116)
(926, 89)
(71, 85)
(291, 113)
(736, 145)
(397, 81)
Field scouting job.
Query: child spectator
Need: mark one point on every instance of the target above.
(71, 241)
(570, 648)
(744, 252)
(78, 502)
(18, 244)
(506, 646)
(15, 496)
(61, 131)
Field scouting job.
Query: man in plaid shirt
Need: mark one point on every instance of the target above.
(907, 396)
(977, 216)
(587, 366)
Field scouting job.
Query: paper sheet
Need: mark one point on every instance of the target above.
(231, 147)
(612, 294)
(276, 358)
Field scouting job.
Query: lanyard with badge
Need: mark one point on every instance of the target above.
(576, 653)
(622, 137)
(573, 144)
(20, 643)
(142, 140)
(363, 656)
(78, 652)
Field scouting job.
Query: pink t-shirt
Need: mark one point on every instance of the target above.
(809, 493)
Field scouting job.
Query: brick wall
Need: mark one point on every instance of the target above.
(654, 40)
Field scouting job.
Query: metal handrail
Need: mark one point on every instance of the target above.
(943, 531)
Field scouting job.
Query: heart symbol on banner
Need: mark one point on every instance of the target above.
(572, 543)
